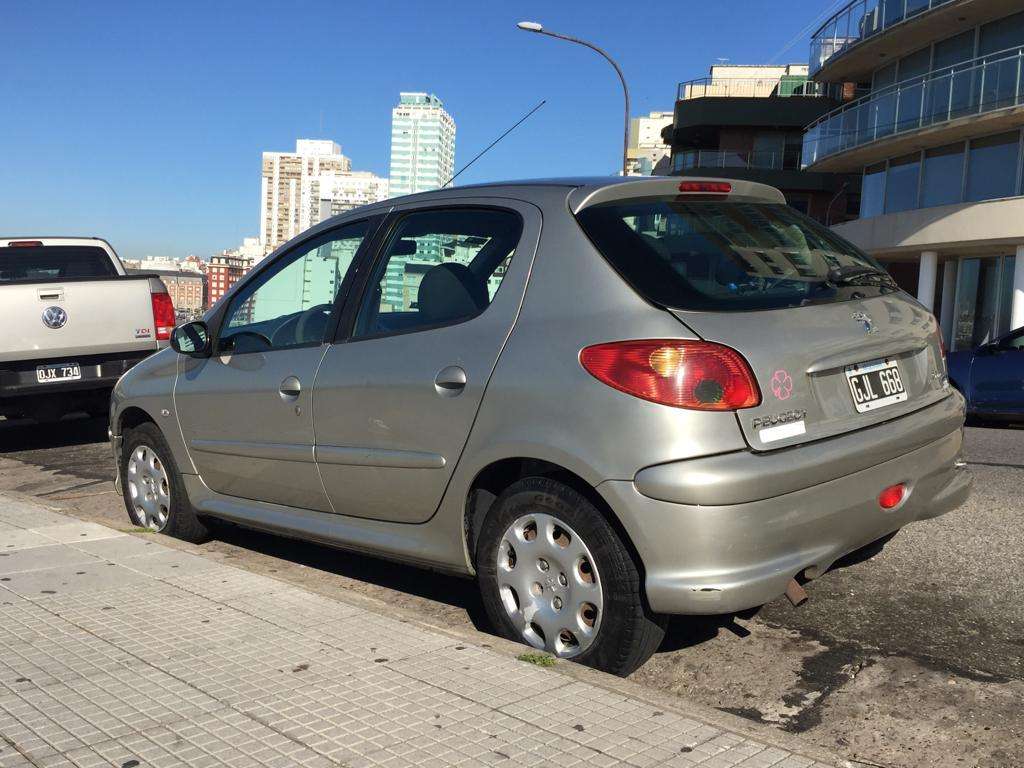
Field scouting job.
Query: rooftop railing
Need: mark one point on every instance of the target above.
(746, 87)
(859, 20)
(974, 87)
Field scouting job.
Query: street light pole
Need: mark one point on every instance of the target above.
(532, 26)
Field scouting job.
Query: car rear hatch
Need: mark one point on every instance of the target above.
(832, 343)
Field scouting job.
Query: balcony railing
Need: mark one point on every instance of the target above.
(983, 85)
(788, 159)
(858, 21)
(746, 87)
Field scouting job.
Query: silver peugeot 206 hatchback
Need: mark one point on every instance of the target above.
(609, 400)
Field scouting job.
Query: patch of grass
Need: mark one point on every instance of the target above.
(136, 530)
(537, 659)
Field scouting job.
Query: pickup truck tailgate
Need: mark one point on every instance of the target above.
(91, 316)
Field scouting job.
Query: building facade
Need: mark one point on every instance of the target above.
(225, 269)
(422, 144)
(188, 293)
(746, 122)
(937, 137)
(301, 188)
(647, 152)
(290, 188)
(343, 192)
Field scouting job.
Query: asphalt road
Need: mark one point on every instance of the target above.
(914, 657)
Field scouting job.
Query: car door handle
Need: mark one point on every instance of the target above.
(290, 388)
(450, 381)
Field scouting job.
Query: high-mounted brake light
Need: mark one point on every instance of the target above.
(25, 244)
(163, 315)
(706, 187)
(681, 373)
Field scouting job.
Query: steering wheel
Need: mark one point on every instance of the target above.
(323, 310)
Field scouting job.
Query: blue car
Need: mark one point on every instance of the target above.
(991, 377)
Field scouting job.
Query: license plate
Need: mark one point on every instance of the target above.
(875, 385)
(60, 372)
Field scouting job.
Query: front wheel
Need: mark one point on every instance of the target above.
(154, 493)
(554, 574)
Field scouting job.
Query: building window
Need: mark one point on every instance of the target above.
(942, 179)
(992, 166)
(872, 191)
(901, 183)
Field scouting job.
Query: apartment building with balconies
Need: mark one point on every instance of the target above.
(746, 122)
(937, 133)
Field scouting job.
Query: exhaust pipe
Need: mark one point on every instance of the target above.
(795, 593)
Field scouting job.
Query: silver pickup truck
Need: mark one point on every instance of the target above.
(71, 323)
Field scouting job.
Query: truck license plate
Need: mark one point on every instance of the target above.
(59, 372)
(875, 384)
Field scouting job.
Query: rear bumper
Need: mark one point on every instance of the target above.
(701, 559)
(18, 379)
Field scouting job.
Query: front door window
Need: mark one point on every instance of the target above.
(289, 305)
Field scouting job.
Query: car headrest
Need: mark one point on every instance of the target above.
(450, 291)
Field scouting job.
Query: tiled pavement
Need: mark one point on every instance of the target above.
(118, 651)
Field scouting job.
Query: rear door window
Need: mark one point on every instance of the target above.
(727, 256)
(439, 267)
(53, 262)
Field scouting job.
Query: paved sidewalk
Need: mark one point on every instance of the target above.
(118, 651)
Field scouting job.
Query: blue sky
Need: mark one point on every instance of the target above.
(144, 122)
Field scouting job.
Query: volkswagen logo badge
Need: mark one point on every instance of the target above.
(865, 319)
(55, 317)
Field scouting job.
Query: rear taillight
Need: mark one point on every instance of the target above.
(25, 244)
(683, 374)
(163, 315)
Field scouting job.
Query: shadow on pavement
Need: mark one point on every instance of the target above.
(429, 585)
(27, 435)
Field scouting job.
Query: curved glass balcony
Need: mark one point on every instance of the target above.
(985, 84)
(787, 159)
(859, 20)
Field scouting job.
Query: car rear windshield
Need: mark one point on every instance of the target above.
(53, 262)
(728, 256)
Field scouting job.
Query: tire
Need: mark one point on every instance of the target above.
(601, 604)
(147, 455)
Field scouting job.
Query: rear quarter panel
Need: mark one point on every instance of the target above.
(541, 403)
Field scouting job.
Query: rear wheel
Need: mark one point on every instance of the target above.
(154, 493)
(555, 575)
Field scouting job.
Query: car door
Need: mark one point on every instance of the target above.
(395, 398)
(246, 412)
(997, 375)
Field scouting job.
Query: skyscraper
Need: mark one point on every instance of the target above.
(301, 188)
(422, 144)
(422, 158)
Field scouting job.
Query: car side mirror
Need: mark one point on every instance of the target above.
(192, 339)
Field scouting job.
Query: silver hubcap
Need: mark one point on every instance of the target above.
(149, 488)
(549, 585)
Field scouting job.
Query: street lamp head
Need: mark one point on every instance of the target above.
(530, 26)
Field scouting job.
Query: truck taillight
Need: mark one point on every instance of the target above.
(681, 373)
(163, 315)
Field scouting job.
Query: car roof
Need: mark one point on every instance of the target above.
(583, 190)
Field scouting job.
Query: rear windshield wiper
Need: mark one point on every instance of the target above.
(853, 274)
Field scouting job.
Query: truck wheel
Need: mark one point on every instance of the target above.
(554, 574)
(154, 493)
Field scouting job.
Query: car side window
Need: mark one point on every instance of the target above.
(289, 304)
(439, 267)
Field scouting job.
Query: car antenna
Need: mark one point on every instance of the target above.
(521, 120)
